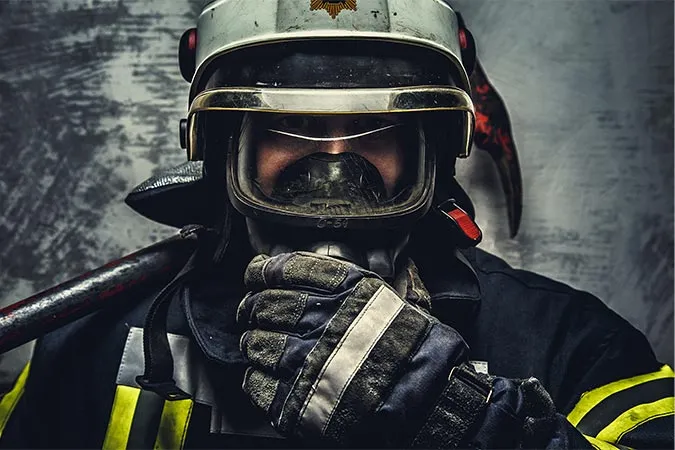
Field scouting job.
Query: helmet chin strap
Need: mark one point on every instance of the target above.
(378, 252)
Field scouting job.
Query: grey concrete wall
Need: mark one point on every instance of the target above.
(90, 98)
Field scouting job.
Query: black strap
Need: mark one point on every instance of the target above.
(158, 376)
(462, 401)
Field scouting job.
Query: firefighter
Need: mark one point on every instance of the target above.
(336, 297)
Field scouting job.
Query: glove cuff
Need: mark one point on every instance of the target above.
(461, 403)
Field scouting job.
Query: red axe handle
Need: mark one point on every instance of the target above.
(110, 284)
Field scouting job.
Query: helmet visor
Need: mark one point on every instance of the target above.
(333, 101)
(311, 155)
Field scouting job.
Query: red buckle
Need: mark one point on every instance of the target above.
(470, 233)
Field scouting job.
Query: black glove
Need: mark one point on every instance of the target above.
(337, 355)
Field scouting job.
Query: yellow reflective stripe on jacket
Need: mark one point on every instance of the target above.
(11, 398)
(121, 417)
(174, 424)
(635, 417)
(600, 445)
(591, 399)
(606, 414)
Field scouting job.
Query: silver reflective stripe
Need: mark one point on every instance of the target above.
(188, 371)
(346, 359)
(480, 366)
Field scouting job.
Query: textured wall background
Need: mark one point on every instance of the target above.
(90, 97)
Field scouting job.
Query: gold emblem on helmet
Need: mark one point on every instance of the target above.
(333, 6)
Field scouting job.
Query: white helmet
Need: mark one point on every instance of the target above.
(324, 114)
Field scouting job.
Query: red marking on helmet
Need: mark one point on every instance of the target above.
(192, 40)
(465, 223)
(462, 40)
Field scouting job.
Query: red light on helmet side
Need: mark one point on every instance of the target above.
(187, 54)
(192, 40)
(462, 40)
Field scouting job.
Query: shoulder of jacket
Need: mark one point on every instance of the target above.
(544, 294)
(491, 267)
(593, 344)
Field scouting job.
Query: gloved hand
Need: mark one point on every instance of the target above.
(338, 355)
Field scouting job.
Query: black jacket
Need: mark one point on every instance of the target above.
(516, 323)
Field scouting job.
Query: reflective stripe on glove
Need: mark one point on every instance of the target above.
(336, 354)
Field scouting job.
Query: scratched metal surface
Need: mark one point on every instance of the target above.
(90, 97)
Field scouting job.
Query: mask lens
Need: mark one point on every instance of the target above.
(347, 165)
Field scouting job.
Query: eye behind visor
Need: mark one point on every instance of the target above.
(331, 128)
